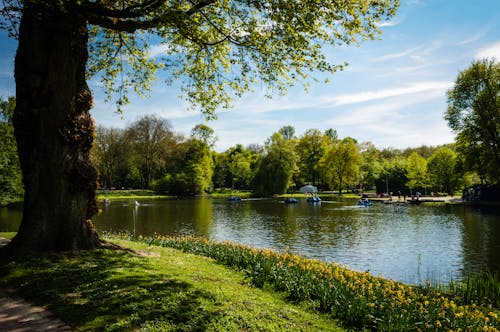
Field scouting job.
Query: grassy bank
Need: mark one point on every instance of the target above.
(228, 192)
(153, 288)
(130, 194)
(359, 300)
(175, 284)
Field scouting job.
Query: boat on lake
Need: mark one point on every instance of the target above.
(314, 199)
(291, 200)
(363, 202)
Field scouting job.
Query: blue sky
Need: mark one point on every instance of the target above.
(393, 93)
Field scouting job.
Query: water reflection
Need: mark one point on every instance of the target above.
(408, 243)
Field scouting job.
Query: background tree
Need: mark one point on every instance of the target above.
(10, 172)
(205, 134)
(194, 171)
(109, 154)
(340, 164)
(275, 170)
(287, 132)
(222, 175)
(216, 50)
(332, 134)
(145, 137)
(443, 171)
(311, 148)
(241, 171)
(416, 167)
(474, 115)
(393, 176)
(370, 166)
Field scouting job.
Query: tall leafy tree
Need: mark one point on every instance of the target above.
(393, 175)
(110, 153)
(205, 134)
(10, 172)
(370, 166)
(145, 137)
(340, 164)
(215, 49)
(332, 134)
(194, 171)
(241, 170)
(311, 148)
(443, 170)
(416, 168)
(474, 115)
(288, 132)
(275, 171)
(222, 175)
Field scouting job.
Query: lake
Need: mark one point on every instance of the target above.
(403, 242)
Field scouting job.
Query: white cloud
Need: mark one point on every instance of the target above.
(159, 50)
(414, 88)
(473, 38)
(490, 51)
(396, 55)
(390, 23)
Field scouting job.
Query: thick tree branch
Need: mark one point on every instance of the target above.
(133, 11)
(134, 18)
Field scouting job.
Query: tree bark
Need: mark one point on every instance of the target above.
(54, 132)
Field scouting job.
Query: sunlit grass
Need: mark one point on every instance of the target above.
(360, 300)
(8, 235)
(130, 194)
(151, 288)
(228, 192)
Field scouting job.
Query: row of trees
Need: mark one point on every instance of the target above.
(149, 154)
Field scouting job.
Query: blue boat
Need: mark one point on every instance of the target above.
(234, 198)
(314, 199)
(364, 202)
(291, 200)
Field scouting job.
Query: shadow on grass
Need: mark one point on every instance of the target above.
(110, 290)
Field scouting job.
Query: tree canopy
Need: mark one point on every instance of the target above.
(217, 49)
(474, 114)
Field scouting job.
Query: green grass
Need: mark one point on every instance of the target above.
(8, 235)
(482, 288)
(228, 192)
(168, 290)
(130, 194)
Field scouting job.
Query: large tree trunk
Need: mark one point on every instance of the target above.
(54, 132)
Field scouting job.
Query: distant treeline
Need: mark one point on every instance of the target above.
(149, 154)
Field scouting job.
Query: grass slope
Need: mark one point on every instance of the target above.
(162, 290)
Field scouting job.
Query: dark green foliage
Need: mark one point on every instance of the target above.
(10, 173)
(194, 171)
(275, 171)
(479, 289)
(394, 176)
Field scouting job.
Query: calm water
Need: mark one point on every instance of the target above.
(407, 243)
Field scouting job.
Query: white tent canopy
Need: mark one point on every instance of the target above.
(308, 189)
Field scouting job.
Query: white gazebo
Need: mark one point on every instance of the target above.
(308, 189)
